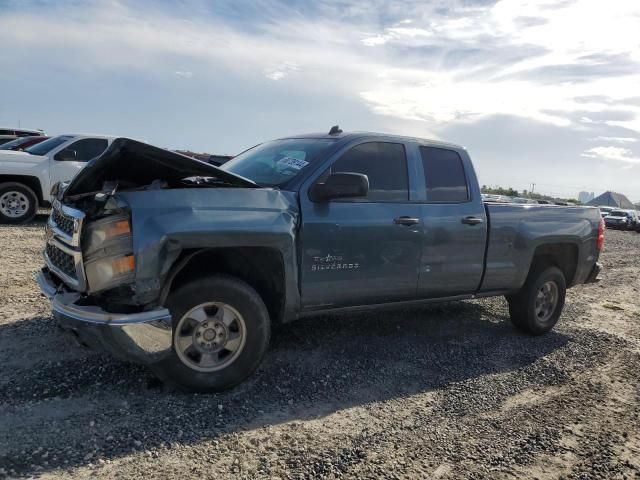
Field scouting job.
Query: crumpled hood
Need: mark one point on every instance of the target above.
(130, 162)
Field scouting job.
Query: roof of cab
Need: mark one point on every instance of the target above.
(388, 136)
(89, 135)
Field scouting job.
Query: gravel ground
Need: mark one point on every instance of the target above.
(450, 391)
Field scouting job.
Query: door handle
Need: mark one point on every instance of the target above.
(472, 220)
(404, 220)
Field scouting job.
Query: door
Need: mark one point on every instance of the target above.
(363, 250)
(71, 159)
(455, 226)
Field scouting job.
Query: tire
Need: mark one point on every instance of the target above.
(201, 366)
(523, 310)
(18, 203)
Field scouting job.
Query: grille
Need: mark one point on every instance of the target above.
(63, 222)
(61, 260)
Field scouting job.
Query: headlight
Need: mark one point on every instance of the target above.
(107, 272)
(107, 232)
(107, 249)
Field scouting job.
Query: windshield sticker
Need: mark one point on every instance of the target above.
(292, 163)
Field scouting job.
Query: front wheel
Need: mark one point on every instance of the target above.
(221, 332)
(537, 307)
(18, 203)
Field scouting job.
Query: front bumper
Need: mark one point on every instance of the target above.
(143, 337)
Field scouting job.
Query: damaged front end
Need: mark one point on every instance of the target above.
(93, 259)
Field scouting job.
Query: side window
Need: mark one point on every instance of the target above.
(83, 150)
(444, 175)
(385, 164)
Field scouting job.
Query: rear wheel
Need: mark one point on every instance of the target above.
(221, 332)
(537, 307)
(18, 203)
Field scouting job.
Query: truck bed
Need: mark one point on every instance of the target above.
(515, 231)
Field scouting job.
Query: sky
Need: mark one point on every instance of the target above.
(539, 92)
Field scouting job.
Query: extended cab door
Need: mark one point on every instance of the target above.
(455, 223)
(68, 161)
(362, 250)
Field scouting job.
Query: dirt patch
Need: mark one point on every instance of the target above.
(450, 391)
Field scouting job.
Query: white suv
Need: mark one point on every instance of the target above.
(26, 177)
(8, 133)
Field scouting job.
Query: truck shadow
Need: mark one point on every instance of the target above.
(102, 408)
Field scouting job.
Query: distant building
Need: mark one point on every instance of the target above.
(612, 199)
(584, 197)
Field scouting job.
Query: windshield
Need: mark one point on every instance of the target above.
(618, 213)
(48, 145)
(274, 163)
(14, 143)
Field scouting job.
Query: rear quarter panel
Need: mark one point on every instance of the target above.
(515, 231)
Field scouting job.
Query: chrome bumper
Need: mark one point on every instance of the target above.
(143, 337)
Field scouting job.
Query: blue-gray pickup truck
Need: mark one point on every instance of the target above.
(184, 266)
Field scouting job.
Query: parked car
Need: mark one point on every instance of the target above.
(7, 134)
(490, 197)
(604, 211)
(522, 200)
(184, 266)
(634, 220)
(22, 143)
(26, 178)
(620, 219)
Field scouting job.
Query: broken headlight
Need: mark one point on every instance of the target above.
(108, 253)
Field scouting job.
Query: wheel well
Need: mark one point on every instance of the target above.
(32, 182)
(562, 255)
(260, 267)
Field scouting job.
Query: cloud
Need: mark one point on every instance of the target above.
(616, 139)
(617, 154)
(540, 60)
(402, 65)
(404, 35)
(281, 71)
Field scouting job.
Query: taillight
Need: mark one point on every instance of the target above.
(600, 234)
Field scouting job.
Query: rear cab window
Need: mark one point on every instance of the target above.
(444, 175)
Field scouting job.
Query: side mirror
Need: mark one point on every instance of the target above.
(340, 185)
(67, 155)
